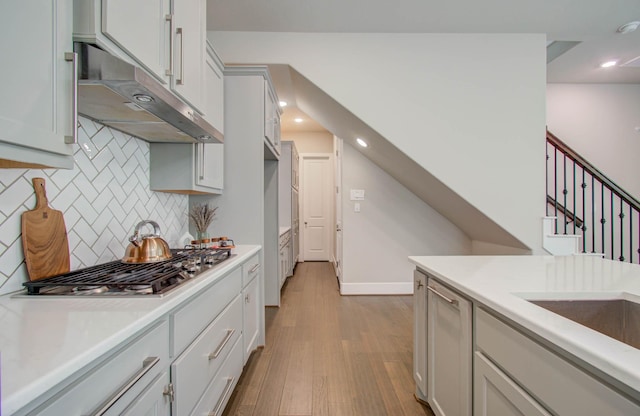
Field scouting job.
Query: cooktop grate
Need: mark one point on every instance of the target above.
(160, 276)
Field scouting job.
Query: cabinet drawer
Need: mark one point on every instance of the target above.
(218, 392)
(195, 368)
(189, 321)
(559, 385)
(147, 356)
(250, 269)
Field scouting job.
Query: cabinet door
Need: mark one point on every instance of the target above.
(142, 29)
(251, 318)
(295, 168)
(189, 48)
(271, 118)
(209, 165)
(214, 84)
(420, 333)
(497, 395)
(448, 351)
(154, 401)
(36, 111)
(283, 265)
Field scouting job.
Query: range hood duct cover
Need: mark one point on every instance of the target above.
(123, 96)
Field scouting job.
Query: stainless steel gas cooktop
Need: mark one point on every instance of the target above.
(131, 279)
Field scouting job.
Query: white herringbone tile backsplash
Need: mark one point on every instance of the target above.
(102, 199)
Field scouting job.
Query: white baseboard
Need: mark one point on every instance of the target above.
(395, 288)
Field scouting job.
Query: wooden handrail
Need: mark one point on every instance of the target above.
(567, 213)
(587, 166)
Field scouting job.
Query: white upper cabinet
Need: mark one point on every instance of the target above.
(142, 29)
(165, 37)
(188, 42)
(214, 87)
(37, 116)
(271, 118)
(186, 168)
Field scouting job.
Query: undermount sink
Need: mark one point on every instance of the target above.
(616, 318)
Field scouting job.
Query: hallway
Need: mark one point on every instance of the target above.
(331, 355)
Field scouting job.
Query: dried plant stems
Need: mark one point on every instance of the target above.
(202, 215)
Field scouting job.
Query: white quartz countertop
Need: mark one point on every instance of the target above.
(502, 283)
(44, 340)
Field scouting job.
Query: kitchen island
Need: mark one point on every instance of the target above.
(504, 322)
(51, 347)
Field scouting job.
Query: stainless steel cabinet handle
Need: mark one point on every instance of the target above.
(445, 298)
(169, 18)
(147, 365)
(73, 58)
(254, 268)
(179, 31)
(227, 389)
(214, 355)
(201, 145)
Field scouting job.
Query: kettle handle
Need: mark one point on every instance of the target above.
(135, 238)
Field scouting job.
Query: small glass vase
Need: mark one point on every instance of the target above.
(203, 239)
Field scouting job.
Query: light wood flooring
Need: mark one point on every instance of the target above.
(331, 355)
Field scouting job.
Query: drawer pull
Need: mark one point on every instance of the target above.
(254, 268)
(453, 302)
(147, 365)
(224, 342)
(227, 390)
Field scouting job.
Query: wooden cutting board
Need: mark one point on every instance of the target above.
(44, 238)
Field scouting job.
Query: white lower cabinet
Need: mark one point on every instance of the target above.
(192, 371)
(547, 383)
(251, 316)
(121, 381)
(448, 351)
(154, 401)
(420, 333)
(497, 395)
(217, 393)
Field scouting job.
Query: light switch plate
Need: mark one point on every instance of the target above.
(357, 194)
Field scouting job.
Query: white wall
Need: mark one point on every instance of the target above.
(310, 142)
(392, 225)
(470, 109)
(598, 121)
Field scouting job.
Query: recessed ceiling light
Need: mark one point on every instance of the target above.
(361, 142)
(283, 103)
(628, 27)
(298, 120)
(608, 64)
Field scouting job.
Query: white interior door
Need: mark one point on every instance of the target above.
(317, 182)
(338, 181)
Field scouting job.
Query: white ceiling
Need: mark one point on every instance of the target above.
(591, 22)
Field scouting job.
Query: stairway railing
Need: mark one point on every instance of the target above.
(591, 205)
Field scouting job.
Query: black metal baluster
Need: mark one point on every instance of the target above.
(612, 227)
(584, 218)
(621, 258)
(564, 191)
(573, 190)
(546, 149)
(593, 215)
(602, 220)
(555, 186)
(630, 234)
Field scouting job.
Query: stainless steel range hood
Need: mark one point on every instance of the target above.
(123, 96)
